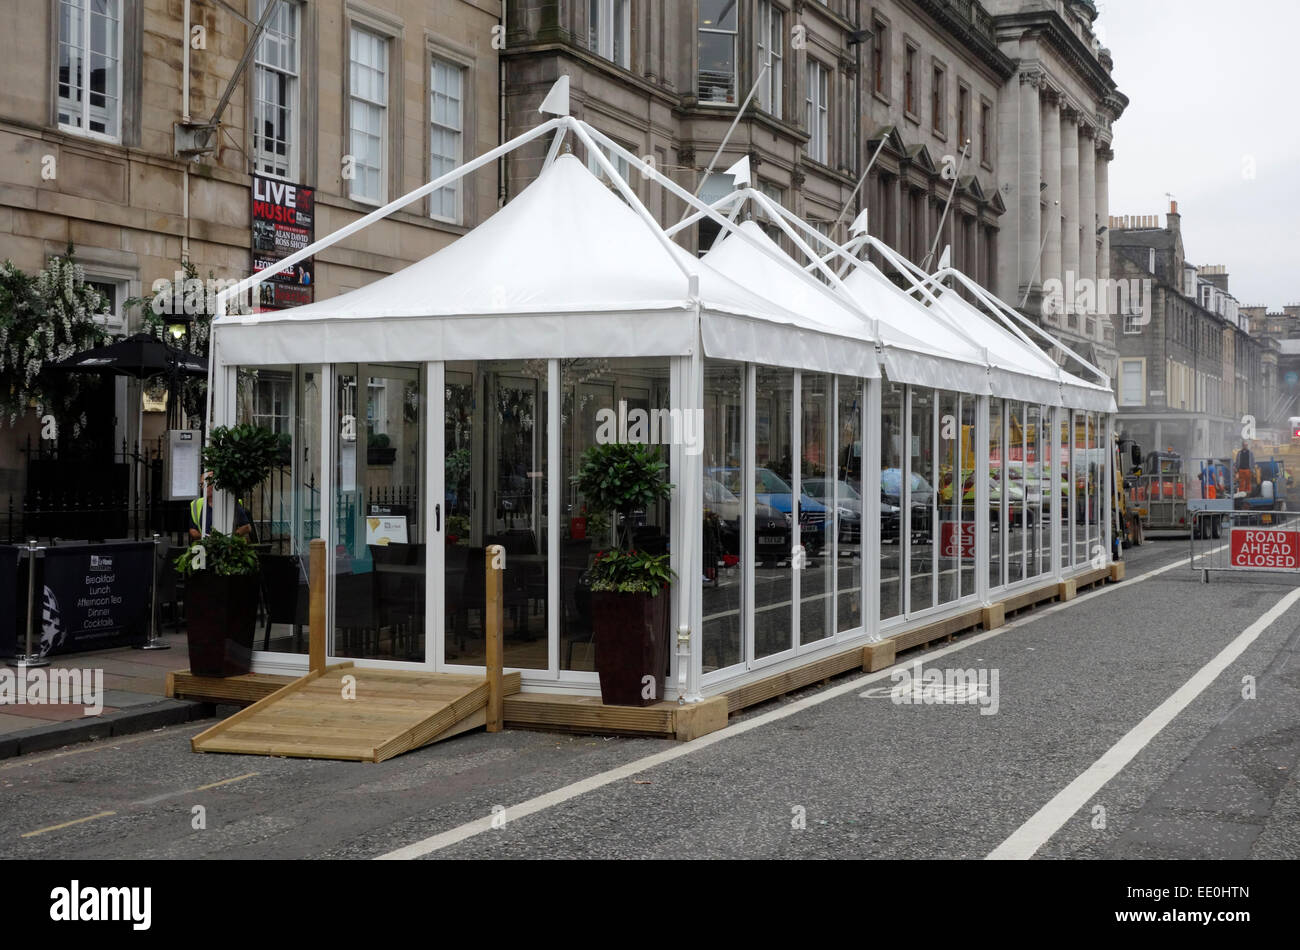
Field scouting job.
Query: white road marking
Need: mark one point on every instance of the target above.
(532, 806)
(1033, 834)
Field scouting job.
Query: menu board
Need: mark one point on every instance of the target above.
(95, 596)
(284, 222)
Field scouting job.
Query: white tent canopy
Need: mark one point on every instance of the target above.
(565, 269)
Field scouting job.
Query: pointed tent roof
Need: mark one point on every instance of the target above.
(565, 269)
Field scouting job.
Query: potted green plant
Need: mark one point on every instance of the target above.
(221, 571)
(629, 588)
(379, 449)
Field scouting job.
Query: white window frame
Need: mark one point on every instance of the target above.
(435, 126)
(290, 42)
(771, 40)
(609, 26)
(817, 111)
(355, 100)
(281, 389)
(621, 165)
(734, 33)
(1124, 396)
(79, 55)
(114, 322)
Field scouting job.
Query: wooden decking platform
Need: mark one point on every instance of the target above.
(359, 715)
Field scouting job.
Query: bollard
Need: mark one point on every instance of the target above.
(28, 658)
(154, 642)
(493, 622)
(316, 614)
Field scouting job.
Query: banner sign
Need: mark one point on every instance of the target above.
(1265, 549)
(96, 596)
(948, 539)
(10, 625)
(284, 222)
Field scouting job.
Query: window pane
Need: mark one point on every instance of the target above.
(816, 509)
(850, 506)
(717, 67)
(921, 501)
(718, 14)
(725, 526)
(773, 512)
(891, 500)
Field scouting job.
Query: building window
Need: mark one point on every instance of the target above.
(609, 31)
(369, 115)
(275, 93)
(90, 67)
(621, 165)
(717, 49)
(909, 80)
(1131, 383)
(986, 141)
(878, 65)
(114, 293)
(271, 404)
(963, 114)
(446, 135)
(771, 47)
(938, 103)
(817, 112)
(776, 194)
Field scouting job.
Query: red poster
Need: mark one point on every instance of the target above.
(1268, 549)
(948, 539)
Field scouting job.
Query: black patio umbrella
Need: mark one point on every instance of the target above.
(141, 356)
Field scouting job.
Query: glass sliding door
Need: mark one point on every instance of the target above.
(776, 530)
(728, 535)
(954, 537)
(920, 508)
(892, 520)
(379, 535)
(997, 497)
(816, 509)
(849, 506)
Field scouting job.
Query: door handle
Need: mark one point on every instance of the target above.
(437, 517)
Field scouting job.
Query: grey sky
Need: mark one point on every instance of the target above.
(1213, 89)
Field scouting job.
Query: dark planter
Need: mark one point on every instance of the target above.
(380, 455)
(220, 618)
(631, 634)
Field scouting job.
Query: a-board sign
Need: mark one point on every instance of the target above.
(1265, 549)
(95, 596)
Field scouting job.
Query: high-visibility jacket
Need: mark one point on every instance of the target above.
(197, 512)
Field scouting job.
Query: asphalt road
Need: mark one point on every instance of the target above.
(840, 771)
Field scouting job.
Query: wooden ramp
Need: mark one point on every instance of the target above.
(379, 714)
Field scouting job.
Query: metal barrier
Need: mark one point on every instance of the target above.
(1245, 540)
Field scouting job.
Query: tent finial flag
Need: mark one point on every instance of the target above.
(945, 259)
(740, 172)
(557, 100)
(859, 225)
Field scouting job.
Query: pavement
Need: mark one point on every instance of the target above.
(831, 771)
(134, 698)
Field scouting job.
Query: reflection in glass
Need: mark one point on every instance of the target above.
(951, 528)
(891, 501)
(726, 531)
(997, 498)
(849, 505)
(817, 461)
(774, 512)
(921, 501)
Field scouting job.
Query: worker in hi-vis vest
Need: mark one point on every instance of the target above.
(201, 513)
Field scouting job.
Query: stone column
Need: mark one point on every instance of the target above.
(1051, 266)
(1008, 182)
(1031, 176)
(1088, 202)
(1104, 157)
(1069, 202)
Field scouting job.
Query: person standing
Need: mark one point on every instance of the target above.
(201, 513)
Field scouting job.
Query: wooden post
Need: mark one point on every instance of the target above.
(316, 615)
(493, 623)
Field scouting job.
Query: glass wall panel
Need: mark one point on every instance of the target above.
(774, 512)
(966, 490)
(997, 498)
(1065, 441)
(920, 506)
(379, 531)
(1079, 479)
(282, 514)
(726, 530)
(891, 499)
(849, 505)
(952, 533)
(495, 433)
(816, 515)
(1013, 483)
(1034, 494)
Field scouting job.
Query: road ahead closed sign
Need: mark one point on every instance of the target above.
(1266, 549)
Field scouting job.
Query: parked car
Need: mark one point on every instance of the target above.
(848, 504)
(774, 511)
(921, 494)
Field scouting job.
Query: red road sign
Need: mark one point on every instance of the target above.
(1267, 549)
(948, 539)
